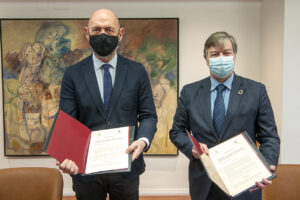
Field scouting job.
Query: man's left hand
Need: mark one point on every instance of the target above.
(137, 147)
(265, 182)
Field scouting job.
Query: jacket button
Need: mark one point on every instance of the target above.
(108, 123)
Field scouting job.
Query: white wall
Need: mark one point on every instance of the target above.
(198, 19)
(272, 18)
(290, 147)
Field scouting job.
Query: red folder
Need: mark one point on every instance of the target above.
(69, 140)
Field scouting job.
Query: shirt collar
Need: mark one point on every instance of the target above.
(98, 63)
(215, 83)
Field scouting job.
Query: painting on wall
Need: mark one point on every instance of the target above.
(35, 54)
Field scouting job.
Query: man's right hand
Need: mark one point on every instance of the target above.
(67, 166)
(204, 149)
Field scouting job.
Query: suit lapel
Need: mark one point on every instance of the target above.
(204, 99)
(92, 84)
(236, 95)
(121, 74)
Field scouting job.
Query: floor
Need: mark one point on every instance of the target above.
(149, 198)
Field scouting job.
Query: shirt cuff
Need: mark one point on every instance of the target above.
(145, 140)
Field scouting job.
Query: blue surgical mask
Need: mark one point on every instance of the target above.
(221, 66)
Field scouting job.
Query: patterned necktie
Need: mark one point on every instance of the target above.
(107, 85)
(219, 110)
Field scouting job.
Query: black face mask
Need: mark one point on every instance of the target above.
(103, 44)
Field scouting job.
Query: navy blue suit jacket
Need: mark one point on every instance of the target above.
(131, 101)
(249, 109)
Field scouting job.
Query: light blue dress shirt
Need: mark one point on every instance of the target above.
(225, 93)
(99, 71)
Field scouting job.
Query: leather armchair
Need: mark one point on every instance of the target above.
(287, 184)
(32, 183)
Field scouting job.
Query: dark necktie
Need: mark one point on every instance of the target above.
(219, 110)
(107, 85)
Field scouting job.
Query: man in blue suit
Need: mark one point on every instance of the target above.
(219, 107)
(106, 90)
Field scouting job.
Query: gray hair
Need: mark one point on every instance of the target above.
(217, 39)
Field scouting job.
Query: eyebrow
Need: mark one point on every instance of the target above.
(105, 27)
(214, 51)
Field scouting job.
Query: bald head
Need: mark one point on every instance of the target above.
(104, 18)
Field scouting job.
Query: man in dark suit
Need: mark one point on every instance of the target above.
(106, 90)
(219, 107)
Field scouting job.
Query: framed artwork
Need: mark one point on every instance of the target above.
(35, 54)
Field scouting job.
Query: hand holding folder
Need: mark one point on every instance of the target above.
(198, 148)
(68, 166)
(235, 165)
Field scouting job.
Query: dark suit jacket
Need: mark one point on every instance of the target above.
(249, 109)
(131, 101)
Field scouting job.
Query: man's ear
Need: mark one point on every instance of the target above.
(121, 34)
(87, 35)
(206, 59)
